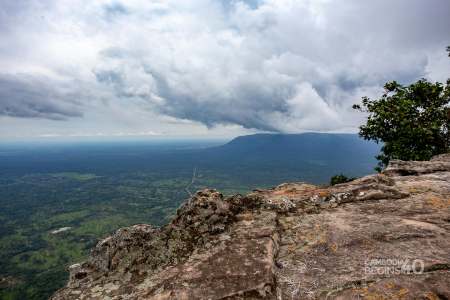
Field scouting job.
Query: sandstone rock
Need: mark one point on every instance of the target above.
(384, 236)
(440, 163)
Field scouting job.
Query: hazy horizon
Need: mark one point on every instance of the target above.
(61, 140)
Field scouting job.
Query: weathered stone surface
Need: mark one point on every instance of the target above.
(384, 236)
(440, 163)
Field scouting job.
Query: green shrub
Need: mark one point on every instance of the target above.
(341, 178)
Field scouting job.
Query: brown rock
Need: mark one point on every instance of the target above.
(384, 236)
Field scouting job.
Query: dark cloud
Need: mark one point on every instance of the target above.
(280, 66)
(246, 104)
(114, 10)
(272, 65)
(31, 97)
(230, 4)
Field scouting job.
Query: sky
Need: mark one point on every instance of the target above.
(211, 68)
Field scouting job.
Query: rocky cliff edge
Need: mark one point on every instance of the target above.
(384, 236)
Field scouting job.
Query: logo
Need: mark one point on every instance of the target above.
(393, 266)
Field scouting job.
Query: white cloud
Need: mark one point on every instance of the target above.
(175, 67)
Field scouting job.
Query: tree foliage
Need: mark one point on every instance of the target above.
(412, 121)
(341, 178)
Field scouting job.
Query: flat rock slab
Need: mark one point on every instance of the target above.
(238, 264)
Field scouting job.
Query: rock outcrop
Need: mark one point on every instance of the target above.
(384, 236)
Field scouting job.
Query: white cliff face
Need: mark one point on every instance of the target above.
(384, 236)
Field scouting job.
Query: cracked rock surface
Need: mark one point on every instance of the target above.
(384, 236)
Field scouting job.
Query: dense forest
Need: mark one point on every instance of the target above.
(58, 200)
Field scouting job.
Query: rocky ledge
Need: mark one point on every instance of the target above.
(384, 236)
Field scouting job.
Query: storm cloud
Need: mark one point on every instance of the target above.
(269, 65)
(34, 97)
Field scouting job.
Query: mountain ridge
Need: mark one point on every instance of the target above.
(307, 141)
(312, 157)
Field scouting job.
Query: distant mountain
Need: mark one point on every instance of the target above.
(254, 160)
(307, 146)
(313, 156)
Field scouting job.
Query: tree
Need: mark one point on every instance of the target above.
(412, 122)
(341, 178)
